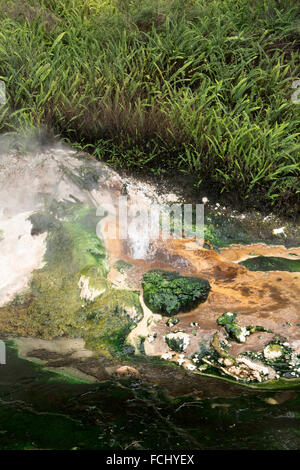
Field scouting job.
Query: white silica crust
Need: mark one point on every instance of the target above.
(273, 351)
(87, 292)
(243, 334)
(20, 255)
(167, 356)
(191, 367)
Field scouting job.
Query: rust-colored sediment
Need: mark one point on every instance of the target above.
(269, 299)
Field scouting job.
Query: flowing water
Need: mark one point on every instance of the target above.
(80, 373)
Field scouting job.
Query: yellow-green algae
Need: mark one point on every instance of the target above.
(122, 266)
(53, 306)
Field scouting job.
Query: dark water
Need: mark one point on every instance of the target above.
(41, 410)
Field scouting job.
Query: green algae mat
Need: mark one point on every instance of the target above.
(271, 263)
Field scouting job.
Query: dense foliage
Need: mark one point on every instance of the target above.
(203, 87)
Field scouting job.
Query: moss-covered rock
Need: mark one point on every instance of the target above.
(172, 322)
(273, 351)
(279, 355)
(167, 292)
(109, 319)
(234, 330)
(177, 341)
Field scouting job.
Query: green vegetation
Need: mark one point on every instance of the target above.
(271, 263)
(280, 356)
(201, 87)
(61, 300)
(122, 266)
(109, 320)
(177, 341)
(275, 365)
(234, 330)
(167, 292)
(172, 322)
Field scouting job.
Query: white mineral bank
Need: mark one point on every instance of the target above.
(20, 254)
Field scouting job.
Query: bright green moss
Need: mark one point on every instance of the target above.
(167, 292)
(109, 319)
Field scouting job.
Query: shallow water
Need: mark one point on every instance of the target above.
(39, 410)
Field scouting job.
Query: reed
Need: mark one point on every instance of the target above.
(201, 87)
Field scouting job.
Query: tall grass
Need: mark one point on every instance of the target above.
(202, 87)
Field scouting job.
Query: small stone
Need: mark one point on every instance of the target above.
(277, 231)
(228, 362)
(127, 371)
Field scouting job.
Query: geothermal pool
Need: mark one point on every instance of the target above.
(92, 362)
